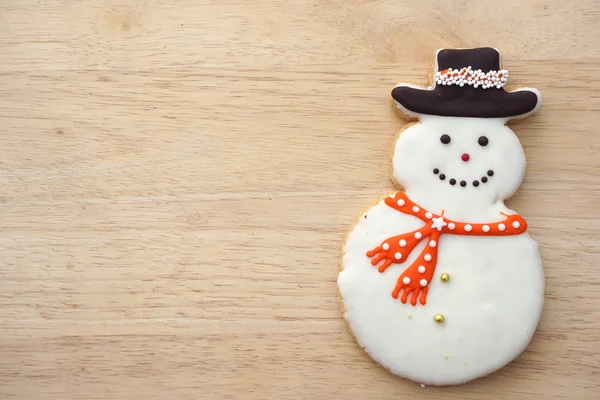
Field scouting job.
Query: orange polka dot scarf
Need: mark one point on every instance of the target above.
(417, 277)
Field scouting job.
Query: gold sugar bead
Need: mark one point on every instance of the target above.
(439, 318)
(445, 277)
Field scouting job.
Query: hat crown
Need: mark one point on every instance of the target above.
(486, 59)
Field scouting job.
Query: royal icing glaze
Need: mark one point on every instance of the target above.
(456, 169)
(448, 98)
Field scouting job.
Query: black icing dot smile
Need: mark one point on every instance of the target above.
(452, 181)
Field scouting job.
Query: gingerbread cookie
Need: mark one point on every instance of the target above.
(441, 283)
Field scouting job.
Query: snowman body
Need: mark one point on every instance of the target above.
(462, 169)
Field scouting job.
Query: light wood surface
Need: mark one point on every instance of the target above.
(178, 176)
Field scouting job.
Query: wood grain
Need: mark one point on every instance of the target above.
(178, 176)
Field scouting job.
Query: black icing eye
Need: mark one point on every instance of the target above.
(483, 141)
(445, 139)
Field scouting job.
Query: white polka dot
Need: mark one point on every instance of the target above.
(432, 243)
(418, 235)
(427, 257)
(485, 228)
(423, 282)
(428, 215)
(416, 209)
(402, 243)
(398, 256)
(421, 269)
(501, 227)
(451, 226)
(468, 228)
(516, 225)
(406, 280)
(401, 202)
(385, 246)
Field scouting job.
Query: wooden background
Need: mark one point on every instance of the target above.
(177, 177)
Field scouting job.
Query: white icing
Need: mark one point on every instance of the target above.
(485, 228)
(468, 228)
(419, 235)
(385, 246)
(401, 202)
(421, 269)
(423, 282)
(501, 227)
(487, 324)
(406, 280)
(428, 215)
(398, 256)
(402, 243)
(516, 225)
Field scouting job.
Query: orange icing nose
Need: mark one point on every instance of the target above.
(465, 157)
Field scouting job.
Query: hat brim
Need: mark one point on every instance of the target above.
(456, 101)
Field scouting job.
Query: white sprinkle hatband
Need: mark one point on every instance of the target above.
(470, 77)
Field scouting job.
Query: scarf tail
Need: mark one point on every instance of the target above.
(397, 249)
(416, 278)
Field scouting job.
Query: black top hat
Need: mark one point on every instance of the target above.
(467, 100)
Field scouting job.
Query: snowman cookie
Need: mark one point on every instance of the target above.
(441, 283)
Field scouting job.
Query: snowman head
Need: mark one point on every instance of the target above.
(461, 147)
